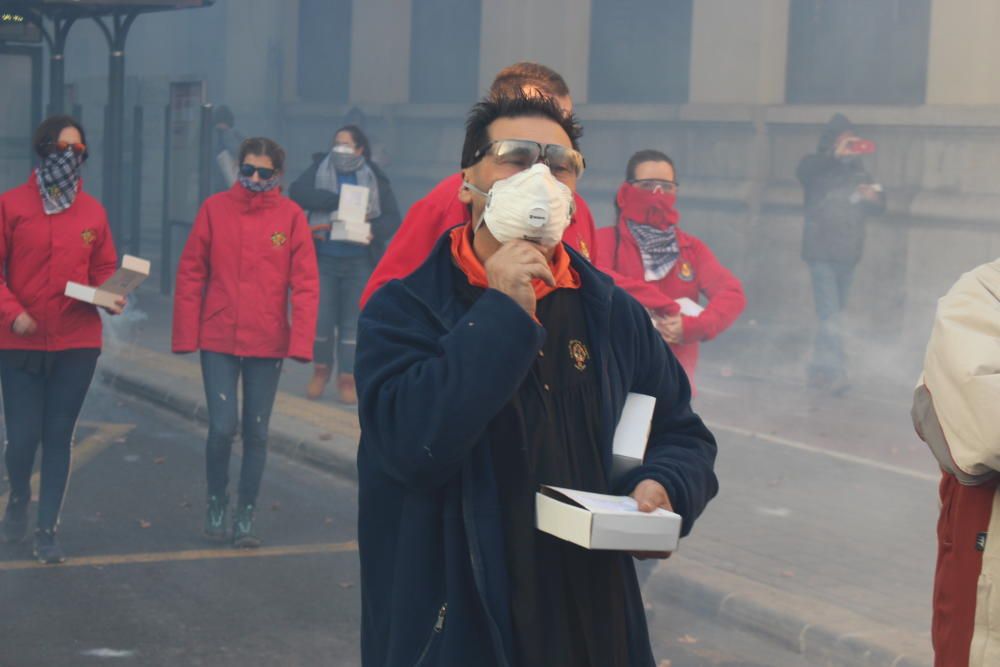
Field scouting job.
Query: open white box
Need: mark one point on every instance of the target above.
(124, 281)
(597, 521)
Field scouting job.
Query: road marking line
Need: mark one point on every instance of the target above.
(186, 556)
(83, 452)
(840, 456)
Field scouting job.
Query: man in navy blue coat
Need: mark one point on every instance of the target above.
(493, 368)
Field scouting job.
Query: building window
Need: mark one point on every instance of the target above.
(858, 51)
(640, 51)
(444, 50)
(324, 50)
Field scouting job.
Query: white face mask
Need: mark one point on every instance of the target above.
(532, 205)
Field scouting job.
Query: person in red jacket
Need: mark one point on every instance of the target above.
(441, 209)
(646, 244)
(53, 232)
(250, 246)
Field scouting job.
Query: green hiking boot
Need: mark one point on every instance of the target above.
(217, 518)
(244, 536)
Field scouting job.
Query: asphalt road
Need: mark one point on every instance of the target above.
(142, 587)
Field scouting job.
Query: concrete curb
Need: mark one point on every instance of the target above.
(754, 607)
(280, 441)
(853, 642)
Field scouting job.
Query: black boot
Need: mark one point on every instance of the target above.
(47, 549)
(15, 520)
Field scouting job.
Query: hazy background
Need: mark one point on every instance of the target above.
(736, 91)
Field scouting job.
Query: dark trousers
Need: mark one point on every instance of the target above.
(43, 393)
(341, 281)
(831, 283)
(221, 372)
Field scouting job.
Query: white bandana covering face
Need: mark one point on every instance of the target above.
(532, 205)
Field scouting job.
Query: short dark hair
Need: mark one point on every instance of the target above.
(492, 107)
(263, 146)
(359, 137)
(513, 79)
(647, 155)
(223, 115)
(48, 132)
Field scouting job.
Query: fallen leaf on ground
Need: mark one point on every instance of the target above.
(160, 459)
(144, 524)
(665, 663)
(275, 507)
(788, 573)
(687, 639)
(328, 521)
(346, 584)
(326, 437)
(186, 504)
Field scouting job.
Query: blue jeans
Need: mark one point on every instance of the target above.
(341, 281)
(43, 393)
(221, 372)
(831, 282)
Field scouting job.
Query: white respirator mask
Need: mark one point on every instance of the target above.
(532, 205)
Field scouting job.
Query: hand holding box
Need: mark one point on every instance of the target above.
(124, 281)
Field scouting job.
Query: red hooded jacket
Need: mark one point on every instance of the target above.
(40, 253)
(245, 253)
(429, 218)
(696, 272)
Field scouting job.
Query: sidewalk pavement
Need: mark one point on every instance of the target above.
(822, 537)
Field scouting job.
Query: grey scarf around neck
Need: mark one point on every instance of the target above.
(326, 179)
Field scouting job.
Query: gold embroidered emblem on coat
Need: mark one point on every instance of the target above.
(88, 236)
(278, 239)
(579, 353)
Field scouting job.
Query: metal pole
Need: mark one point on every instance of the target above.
(166, 229)
(135, 216)
(116, 36)
(205, 157)
(115, 130)
(57, 85)
(57, 64)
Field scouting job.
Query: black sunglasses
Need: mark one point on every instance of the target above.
(522, 154)
(247, 171)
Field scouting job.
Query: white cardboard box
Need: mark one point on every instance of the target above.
(597, 521)
(689, 307)
(349, 222)
(124, 281)
(353, 205)
(632, 433)
(351, 232)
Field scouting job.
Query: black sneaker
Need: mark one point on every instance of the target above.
(243, 533)
(47, 549)
(15, 520)
(217, 518)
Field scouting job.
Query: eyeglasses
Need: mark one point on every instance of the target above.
(562, 162)
(63, 146)
(247, 171)
(653, 184)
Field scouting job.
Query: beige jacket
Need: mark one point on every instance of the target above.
(956, 411)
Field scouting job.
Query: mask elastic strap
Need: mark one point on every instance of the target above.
(472, 188)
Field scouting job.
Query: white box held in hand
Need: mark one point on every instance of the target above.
(349, 222)
(632, 433)
(597, 521)
(690, 308)
(124, 281)
(353, 205)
